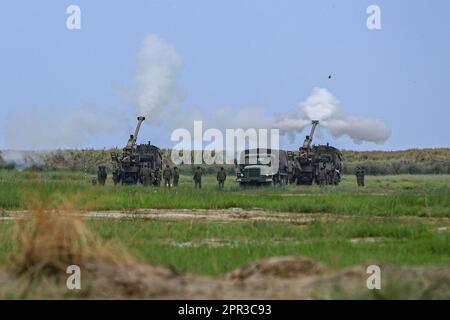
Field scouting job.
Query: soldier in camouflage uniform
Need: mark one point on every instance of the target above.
(328, 174)
(198, 178)
(360, 176)
(322, 174)
(221, 177)
(157, 181)
(146, 175)
(101, 175)
(167, 175)
(176, 176)
(115, 168)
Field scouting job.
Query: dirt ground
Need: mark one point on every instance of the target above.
(274, 278)
(221, 215)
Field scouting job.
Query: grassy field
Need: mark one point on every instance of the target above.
(411, 195)
(210, 248)
(215, 248)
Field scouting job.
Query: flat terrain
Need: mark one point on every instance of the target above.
(401, 220)
(413, 195)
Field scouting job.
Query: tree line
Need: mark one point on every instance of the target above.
(413, 161)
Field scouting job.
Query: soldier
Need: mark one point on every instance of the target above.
(167, 175)
(116, 176)
(328, 174)
(157, 178)
(115, 168)
(360, 176)
(176, 176)
(146, 174)
(198, 178)
(363, 173)
(101, 175)
(221, 177)
(322, 174)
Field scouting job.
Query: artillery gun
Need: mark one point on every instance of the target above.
(137, 162)
(315, 162)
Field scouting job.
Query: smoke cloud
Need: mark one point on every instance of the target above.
(24, 159)
(155, 93)
(51, 128)
(322, 105)
(155, 86)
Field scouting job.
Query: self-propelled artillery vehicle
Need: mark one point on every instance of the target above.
(137, 163)
(321, 164)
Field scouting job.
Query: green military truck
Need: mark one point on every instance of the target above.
(262, 167)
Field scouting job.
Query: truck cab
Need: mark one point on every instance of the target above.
(262, 167)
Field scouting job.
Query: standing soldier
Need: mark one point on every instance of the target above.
(198, 178)
(363, 172)
(101, 175)
(328, 177)
(176, 176)
(146, 175)
(360, 176)
(221, 177)
(115, 168)
(322, 174)
(167, 175)
(157, 181)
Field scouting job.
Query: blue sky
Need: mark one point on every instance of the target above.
(269, 54)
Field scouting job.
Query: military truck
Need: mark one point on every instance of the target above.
(321, 164)
(137, 163)
(262, 167)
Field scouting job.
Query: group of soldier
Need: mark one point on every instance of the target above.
(169, 174)
(326, 174)
(170, 177)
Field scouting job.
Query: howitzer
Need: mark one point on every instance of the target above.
(137, 162)
(133, 138)
(317, 163)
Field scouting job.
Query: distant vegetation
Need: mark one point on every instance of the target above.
(412, 161)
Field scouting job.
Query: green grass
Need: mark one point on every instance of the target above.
(184, 246)
(420, 195)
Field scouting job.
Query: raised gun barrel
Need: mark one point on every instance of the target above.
(133, 138)
(308, 140)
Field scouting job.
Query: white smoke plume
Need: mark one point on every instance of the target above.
(156, 94)
(154, 91)
(23, 159)
(322, 105)
(52, 128)
(155, 86)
